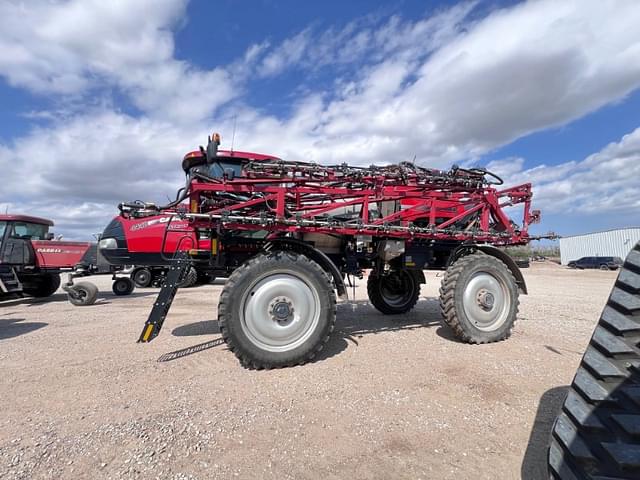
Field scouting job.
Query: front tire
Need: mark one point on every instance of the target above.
(479, 299)
(394, 293)
(276, 310)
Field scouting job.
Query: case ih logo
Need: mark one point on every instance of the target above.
(140, 226)
(50, 250)
(150, 223)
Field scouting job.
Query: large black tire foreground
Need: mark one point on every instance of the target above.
(394, 293)
(45, 286)
(479, 299)
(277, 310)
(86, 294)
(190, 278)
(597, 433)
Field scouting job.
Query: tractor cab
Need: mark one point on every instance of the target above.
(16, 234)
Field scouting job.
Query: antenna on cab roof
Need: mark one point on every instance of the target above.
(233, 136)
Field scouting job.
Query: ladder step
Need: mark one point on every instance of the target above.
(163, 302)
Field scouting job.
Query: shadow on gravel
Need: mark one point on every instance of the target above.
(103, 298)
(534, 463)
(14, 327)
(184, 352)
(204, 327)
(354, 320)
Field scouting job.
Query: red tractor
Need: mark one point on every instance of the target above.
(31, 262)
(288, 234)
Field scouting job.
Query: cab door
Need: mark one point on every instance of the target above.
(16, 250)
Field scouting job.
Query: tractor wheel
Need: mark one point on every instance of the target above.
(479, 299)
(276, 310)
(596, 433)
(85, 293)
(123, 286)
(142, 277)
(394, 293)
(45, 286)
(190, 278)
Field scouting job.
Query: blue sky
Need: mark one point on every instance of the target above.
(100, 100)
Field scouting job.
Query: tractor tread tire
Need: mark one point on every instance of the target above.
(597, 433)
(229, 299)
(378, 301)
(45, 288)
(449, 309)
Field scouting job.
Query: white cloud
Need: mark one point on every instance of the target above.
(604, 182)
(78, 47)
(447, 88)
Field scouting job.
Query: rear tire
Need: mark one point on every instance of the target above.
(276, 310)
(479, 299)
(395, 293)
(46, 285)
(86, 292)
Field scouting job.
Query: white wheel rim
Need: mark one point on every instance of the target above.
(486, 301)
(279, 311)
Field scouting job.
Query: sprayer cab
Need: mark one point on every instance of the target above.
(215, 163)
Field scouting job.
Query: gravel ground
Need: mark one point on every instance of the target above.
(389, 398)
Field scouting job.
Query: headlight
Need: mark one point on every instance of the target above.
(107, 243)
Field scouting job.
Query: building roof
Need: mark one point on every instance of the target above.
(601, 231)
(25, 218)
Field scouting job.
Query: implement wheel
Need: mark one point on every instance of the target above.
(394, 293)
(277, 310)
(123, 286)
(479, 299)
(84, 294)
(142, 277)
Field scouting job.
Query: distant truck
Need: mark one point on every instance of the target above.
(31, 262)
(603, 263)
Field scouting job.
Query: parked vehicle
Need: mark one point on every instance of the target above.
(603, 263)
(287, 233)
(31, 262)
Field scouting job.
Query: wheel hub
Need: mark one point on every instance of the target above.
(485, 299)
(281, 310)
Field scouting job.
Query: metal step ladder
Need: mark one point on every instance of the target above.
(9, 283)
(168, 290)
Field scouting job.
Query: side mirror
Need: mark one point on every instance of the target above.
(49, 236)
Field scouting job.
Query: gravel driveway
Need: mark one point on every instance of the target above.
(391, 397)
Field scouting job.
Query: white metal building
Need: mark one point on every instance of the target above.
(610, 243)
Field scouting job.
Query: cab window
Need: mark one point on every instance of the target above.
(29, 231)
